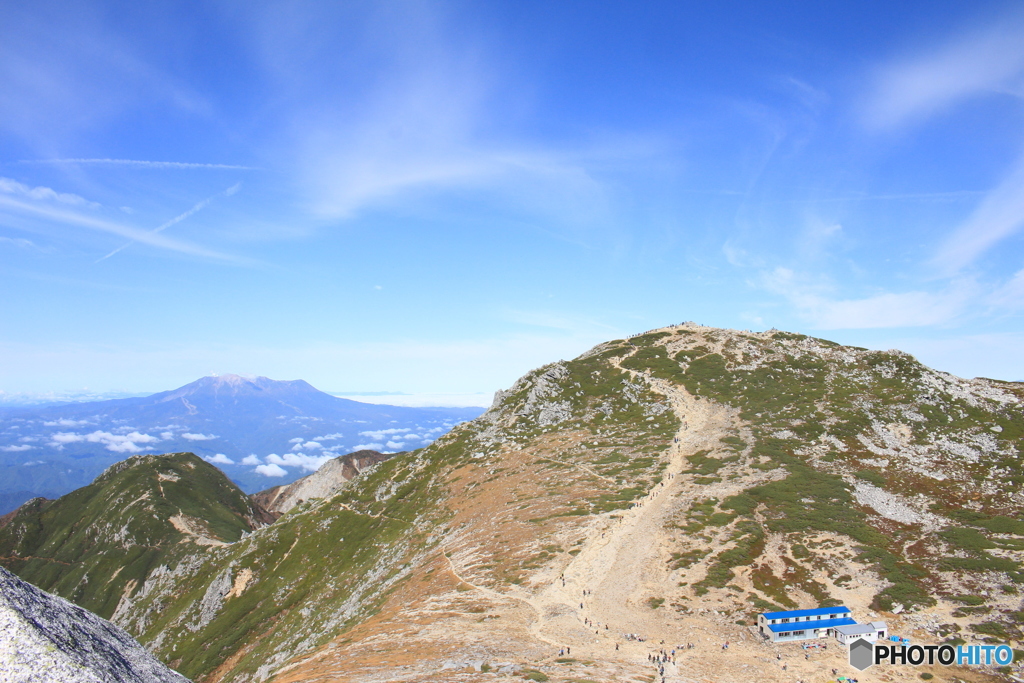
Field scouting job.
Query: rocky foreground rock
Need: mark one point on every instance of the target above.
(47, 639)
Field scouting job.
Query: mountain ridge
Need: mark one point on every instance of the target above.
(668, 486)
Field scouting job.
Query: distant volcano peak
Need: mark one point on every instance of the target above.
(239, 385)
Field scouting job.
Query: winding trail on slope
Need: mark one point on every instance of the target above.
(620, 564)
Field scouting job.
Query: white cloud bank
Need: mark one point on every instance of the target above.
(118, 443)
(309, 463)
(219, 459)
(198, 437)
(271, 470)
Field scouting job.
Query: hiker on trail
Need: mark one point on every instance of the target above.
(561, 652)
(616, 646)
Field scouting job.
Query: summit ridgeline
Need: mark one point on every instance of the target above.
(666, 487)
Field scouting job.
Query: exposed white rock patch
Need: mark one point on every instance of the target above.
(894, 507)
(213, 600)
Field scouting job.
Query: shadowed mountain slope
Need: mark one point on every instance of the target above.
(669, 486)
(100, 542)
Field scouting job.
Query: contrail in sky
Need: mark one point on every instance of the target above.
(139, 162)
(177, 219)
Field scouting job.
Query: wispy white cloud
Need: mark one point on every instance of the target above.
(219, 459)
(271, 470)
(813, 301)
(986, 60)
(818, 238)
(18, 242)
(1010, 295)
(9, 186)
(999, 215)
(64, 72)
(141, 163)
(426, 128)
(16, 449)
(373, 446)
(251, 459)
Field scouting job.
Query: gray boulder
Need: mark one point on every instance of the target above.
(46, 639)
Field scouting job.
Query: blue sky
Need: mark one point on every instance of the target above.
(437, 197)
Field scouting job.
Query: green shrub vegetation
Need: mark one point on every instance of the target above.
(126, 512)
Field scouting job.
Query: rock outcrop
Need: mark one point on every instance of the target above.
(325, 482)
(46, 639)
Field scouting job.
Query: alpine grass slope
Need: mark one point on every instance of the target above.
(99, 543)
(669, 486)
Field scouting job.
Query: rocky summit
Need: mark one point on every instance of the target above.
(656, 493)
(46, 639)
